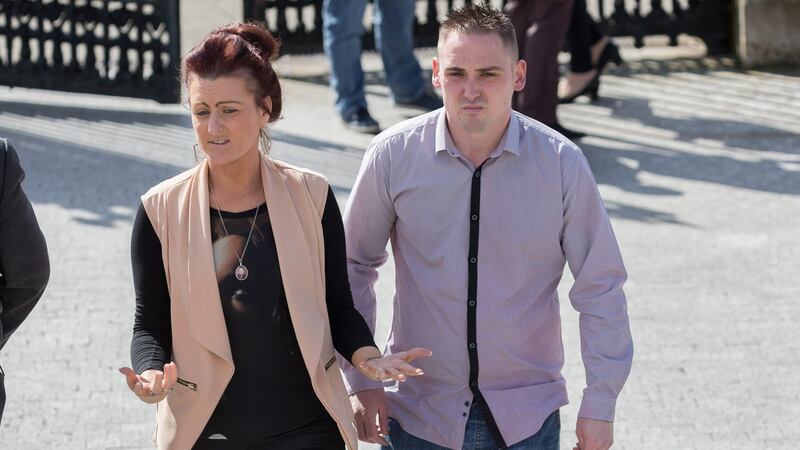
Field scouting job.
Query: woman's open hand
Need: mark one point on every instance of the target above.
(395, 366)
(152, 385)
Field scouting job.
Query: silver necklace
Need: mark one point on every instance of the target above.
(241, 271)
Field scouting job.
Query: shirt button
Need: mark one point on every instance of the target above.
(474, 217)
(472, 303)
(473, 260)
(473, 383)
(464, 414)
(471, 345)
(477, 174)
(466, 403)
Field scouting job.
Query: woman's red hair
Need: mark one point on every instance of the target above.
(238, 49)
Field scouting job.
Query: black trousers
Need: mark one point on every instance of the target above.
(541, 26)
(583, 33)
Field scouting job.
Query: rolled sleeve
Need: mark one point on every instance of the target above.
(595, 261)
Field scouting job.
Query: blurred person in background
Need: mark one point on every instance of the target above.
(393, 22)
(24, 263)
(541, 26)
(590, 52)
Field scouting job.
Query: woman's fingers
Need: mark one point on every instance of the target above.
(130, 376)
(396, 366)
(156, 386)
(393, 374)
(139, 390)
(409, 370)
(170, 376)
(414, 353)
(152, 385)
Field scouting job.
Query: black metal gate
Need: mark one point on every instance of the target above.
(116, 47)
(708, 19)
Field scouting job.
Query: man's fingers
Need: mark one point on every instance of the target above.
(359, 422)
(383, 419)
(369, 422)
(371, 429)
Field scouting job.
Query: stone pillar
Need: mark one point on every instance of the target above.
(768, 32)
(199, 17)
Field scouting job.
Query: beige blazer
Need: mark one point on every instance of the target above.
(178, 208)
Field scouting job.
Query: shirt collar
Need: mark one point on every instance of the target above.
(509, 142)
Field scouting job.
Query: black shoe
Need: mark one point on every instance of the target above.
(360, 120)
(591, 89)
(610, 54)
(427, 101)
(572, 135)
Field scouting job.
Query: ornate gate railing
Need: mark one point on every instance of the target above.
(299, 22)
(117, 47)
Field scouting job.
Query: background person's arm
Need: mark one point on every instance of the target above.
(24, 261)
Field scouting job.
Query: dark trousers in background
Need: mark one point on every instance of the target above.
(583, 33)
(541, 27)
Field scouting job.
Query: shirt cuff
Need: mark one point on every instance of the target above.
(355, 381)
(597, 408)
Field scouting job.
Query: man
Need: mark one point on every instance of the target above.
(484, 207)
(394, 38)
(541, 27)
(24, 265)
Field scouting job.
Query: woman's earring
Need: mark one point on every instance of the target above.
(194, 150)
(266, 143)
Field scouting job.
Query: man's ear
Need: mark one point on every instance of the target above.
(435, 80)
(520, 71)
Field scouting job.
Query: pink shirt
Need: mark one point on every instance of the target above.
(479, 253)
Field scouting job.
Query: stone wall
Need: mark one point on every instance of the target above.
(768, 32)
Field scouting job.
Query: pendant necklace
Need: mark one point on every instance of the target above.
(241, 271)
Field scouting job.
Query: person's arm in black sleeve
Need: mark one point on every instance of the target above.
(152, 332)
(348, 328)
(24, 263)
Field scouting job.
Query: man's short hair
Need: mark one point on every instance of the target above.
(480, 19)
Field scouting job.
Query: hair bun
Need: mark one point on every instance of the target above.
(256, 35)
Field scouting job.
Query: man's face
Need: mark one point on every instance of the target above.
(478, 76)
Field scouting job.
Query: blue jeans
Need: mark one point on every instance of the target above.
(393, 22)
(478, 436)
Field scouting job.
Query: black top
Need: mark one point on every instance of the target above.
(270, 392)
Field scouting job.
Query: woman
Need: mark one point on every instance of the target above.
(590, 51)
(240, 277)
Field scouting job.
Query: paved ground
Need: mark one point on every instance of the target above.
(699, 165)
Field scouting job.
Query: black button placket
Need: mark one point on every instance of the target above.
(472, 302)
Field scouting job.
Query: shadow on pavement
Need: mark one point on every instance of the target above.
(102, 188)
(94, 113)
(735, 160)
